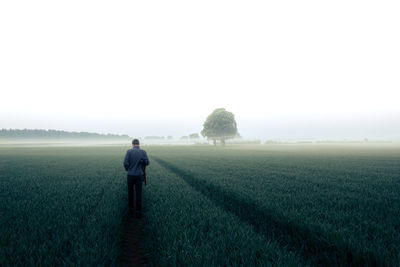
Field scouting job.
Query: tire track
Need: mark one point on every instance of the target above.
(315, 246)
(131, 242)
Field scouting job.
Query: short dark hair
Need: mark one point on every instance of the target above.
(135, 141)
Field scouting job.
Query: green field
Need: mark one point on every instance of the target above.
(235, 205)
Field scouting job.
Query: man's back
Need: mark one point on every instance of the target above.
(135, 158)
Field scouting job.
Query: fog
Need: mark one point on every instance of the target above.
(288, 70)
(354, 127)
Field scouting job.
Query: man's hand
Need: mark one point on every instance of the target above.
(144, 174)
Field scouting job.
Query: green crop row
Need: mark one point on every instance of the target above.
(207, 206)
(182, 227)
(332, 207)
(60, 206)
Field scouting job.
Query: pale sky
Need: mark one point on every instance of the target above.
(302, 69)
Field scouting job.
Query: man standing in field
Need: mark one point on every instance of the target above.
(135, 161)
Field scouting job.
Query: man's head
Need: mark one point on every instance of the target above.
(135, 142)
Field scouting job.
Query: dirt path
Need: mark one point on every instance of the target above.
(131, 250)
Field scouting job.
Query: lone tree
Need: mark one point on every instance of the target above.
(220, 125)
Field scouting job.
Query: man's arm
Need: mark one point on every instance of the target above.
(145, 159)
(126, 161)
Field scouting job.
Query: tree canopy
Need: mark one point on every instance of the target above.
(220, 125)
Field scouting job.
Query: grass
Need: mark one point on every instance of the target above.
(60, 206)
(253, 205)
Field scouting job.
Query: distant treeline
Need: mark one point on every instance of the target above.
(154, 137)
(39, 133)
(170, 137)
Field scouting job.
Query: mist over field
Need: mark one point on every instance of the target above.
(381, 127)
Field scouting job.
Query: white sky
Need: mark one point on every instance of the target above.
(146, 67)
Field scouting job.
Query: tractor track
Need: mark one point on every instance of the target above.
(131, 242)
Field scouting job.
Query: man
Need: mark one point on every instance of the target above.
(134, 161)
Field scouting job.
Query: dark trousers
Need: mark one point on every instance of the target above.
(135, 183)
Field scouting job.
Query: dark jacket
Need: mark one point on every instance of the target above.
(134, 159)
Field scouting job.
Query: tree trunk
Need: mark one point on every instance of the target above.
(214, 142)
(222, 141)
